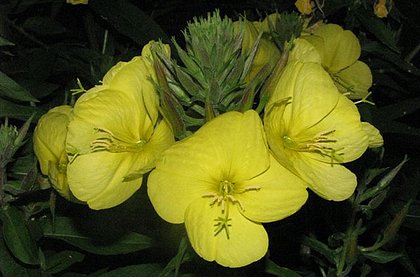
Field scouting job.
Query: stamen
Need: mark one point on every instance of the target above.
(316, 145)
(111, 143)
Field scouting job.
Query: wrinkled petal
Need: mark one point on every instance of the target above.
(308, 86)
(375, 137)
(230, 147)
(332, 182)
(280, 194)
(50, 136)
(247, 242)
(341, 48)
(354, 81)
(122, 114)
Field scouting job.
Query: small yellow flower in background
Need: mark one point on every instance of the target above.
(49, 147)
(305, 6)
(380, 9)
(116, 135)
(340, 50)
(267, 50)
(312, 128)
(223, 182)
(77, 2)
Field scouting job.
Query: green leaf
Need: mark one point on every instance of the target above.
(381, 256)
(43, 25)
(12, 110)
(185, 253)
(383, 183)
(273, 268)
(377, 27)
(321, 248)
(17, 236)
(8, 265)
(129, 20)
(62, 260)
(11, 89)
(135, 270)
(64, 229)
(5, 42)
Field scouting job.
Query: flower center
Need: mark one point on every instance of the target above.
(225, 196)
(107, 141)
(321, 144)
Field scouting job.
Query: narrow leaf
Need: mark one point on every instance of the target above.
(65, 230)
(144, 270)
(11, 89)
(273, 268)
(62, 260)
(382, 257)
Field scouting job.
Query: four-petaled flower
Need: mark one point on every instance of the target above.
(223, 183)
(116, 135)
(312, 128)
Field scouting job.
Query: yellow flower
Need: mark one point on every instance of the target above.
(312, 128)
(340, 50)
(49, 147)
(77, 2)
(116, 135)
(222, 182)
(305, 6)
(380, 9)
(267, 51)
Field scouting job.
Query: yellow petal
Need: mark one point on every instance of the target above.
(230, 147)
(304, 51)
(341, 48)
(102, 174)
(124, 115)
(280, 194)
(354, 81)
(308, 86)
(305, 6)
(332, 182)
(375, 137)
(247, 242)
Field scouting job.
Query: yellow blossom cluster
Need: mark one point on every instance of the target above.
(238, 170)
(99, 150)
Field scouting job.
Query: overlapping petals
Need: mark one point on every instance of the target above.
(222, 182)
(340, 50)
(115, 136)
(49, 147)
(312, 129)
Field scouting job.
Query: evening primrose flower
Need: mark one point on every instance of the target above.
(380, 9)
(116, 135)
(222, 182)
(305, 6)
(340, 50)
(312, 129)
(50, 147)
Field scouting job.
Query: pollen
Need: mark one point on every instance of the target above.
(224, 196)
